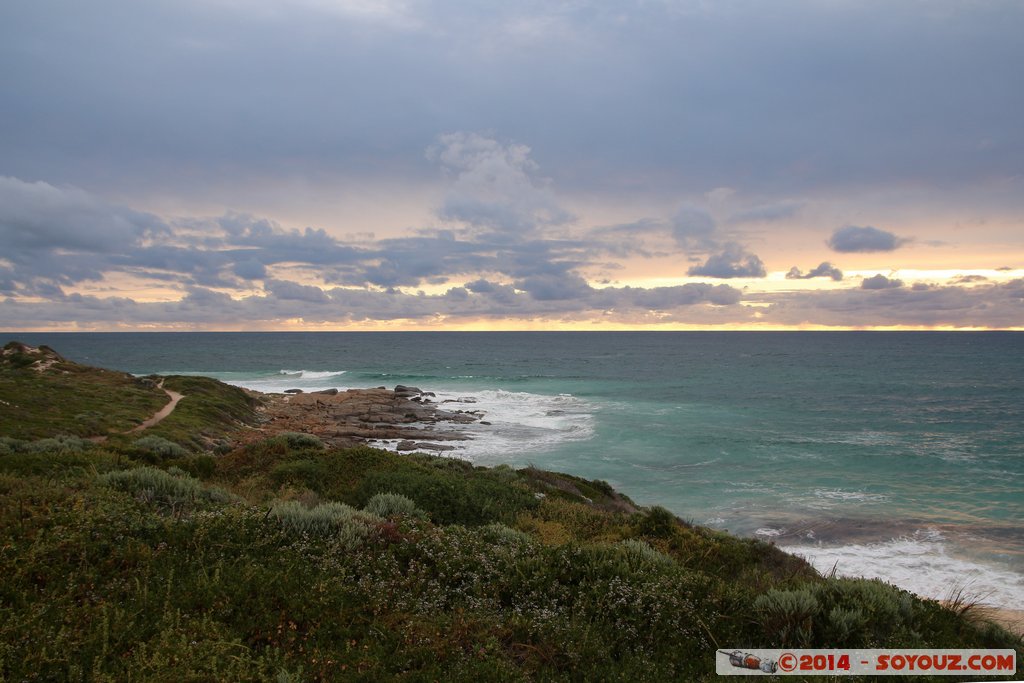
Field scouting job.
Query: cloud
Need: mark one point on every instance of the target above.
(39, 216)
(249, 269)
(987, 305)
(767, 213)
(495, 185)
(693, 228)
(880, 282)
(967, 279)
(291, 291)
(733, 261)
(854, 239)
(824, 269)
(555, 287)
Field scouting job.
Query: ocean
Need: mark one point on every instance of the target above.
(897, 455)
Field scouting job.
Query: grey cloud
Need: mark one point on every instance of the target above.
(586, 82)
(37, 215)
(494, 185)
(693, 227)
(733, 261)
(767, 213)
(555, 287)
(291, 291)
(855, 239)
(824, 269)
(249, 269)
(987, 305)
(880, 282)
(967, 279)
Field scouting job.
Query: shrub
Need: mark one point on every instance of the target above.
(506, 536)
(341, 522)
(787, 616)
(173, 487)
(61, 443)
(298, 440)
(450, 497)
(159, 447)
(9, 445)
(639, 553)
(392, 504)
(843, 624)
(658, 523)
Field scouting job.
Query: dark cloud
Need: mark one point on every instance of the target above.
(855, 239)
(555, 287)
(585, 81)
(733, 261)
(880, 282)
(824, 269)
(249, 269)
(291, 291)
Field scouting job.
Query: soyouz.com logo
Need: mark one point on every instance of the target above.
(762, 662)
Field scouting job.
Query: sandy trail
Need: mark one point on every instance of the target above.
(162, 413)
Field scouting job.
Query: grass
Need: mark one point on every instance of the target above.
(68, 398)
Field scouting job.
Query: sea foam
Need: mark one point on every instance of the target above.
(924, 563)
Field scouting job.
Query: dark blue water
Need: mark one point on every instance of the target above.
(897, 454)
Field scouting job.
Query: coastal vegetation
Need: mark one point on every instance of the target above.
(200, 549)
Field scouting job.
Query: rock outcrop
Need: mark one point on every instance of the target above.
(405, 414)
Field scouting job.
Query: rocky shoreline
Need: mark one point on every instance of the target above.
(406, 415)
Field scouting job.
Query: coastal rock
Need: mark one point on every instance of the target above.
(423, 446)
(293, 391)
(360, 415)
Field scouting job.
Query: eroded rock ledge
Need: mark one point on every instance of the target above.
(343, 418)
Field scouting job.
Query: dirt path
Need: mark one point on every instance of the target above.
(163, 412)
(156, 417)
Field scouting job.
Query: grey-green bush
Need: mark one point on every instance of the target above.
(342, 523)
(391, 504)
(160, 447)
(175, 487)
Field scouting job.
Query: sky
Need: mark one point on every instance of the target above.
(417, 164)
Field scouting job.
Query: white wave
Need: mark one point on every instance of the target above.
(924, 564)
(282, 380)
(857, 496)
(312, 374)
(518, 423)
(768, 532)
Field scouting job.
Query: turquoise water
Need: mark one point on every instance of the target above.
(899, 455)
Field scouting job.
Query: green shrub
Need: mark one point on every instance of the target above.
(9, 445)
(392, 504)
(62, 443)
(175, 487)
(342, 523)
(199, 466)
(451, 497)
(159, 447)
(502, 535)
(658, 523)
(640, 553)
(843, 624)
(787, 616)
(298, 440)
